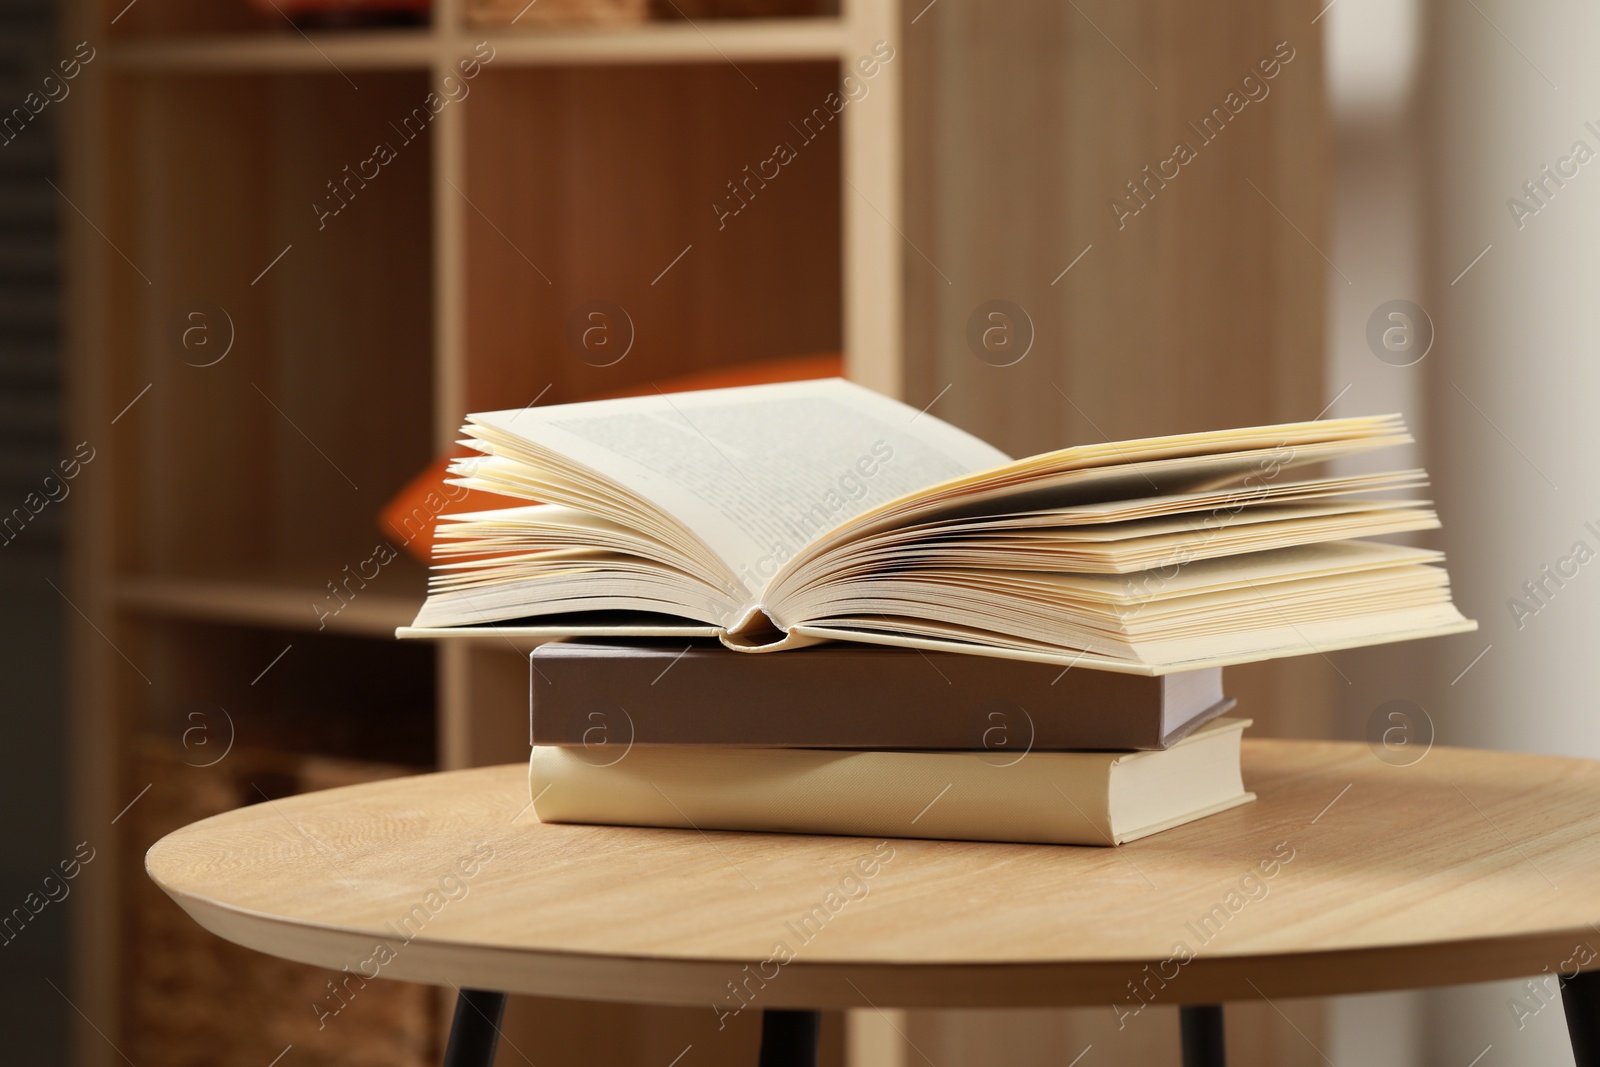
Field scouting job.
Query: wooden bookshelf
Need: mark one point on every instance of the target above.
(228, 497)
(238, 496)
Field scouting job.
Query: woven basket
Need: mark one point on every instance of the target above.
(192, 999)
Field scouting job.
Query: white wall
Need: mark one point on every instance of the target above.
(1376, 242)
(1516, 438)
(1427, 156)
(1512, 386)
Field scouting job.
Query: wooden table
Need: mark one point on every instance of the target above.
(1348, 875)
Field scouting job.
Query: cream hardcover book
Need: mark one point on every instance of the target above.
(1056, 798)
(774, 516)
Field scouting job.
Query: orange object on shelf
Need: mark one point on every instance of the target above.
(788, 369)
(409, 518)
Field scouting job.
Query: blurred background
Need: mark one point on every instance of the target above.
(260, 256)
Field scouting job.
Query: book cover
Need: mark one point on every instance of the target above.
(1067, 798)
(593, 693)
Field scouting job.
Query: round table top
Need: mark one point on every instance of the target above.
(1348, 874)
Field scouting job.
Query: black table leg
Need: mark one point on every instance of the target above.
(789, 1037)
(475, 1030)
(1201, 1029)
(1580, 996)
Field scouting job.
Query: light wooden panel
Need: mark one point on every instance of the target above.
(1023, 123)
(587, 185)
(1205, 309)
(874, 170)
(703, 42)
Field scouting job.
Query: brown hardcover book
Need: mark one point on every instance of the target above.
(599, 694)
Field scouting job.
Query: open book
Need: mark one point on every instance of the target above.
(774, 516)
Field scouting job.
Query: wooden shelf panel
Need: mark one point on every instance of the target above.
(704, 41)
(276, 454)
(279, 606)
(723, 41)
(641, 161)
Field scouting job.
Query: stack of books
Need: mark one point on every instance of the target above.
(905, 582)
(880, 742)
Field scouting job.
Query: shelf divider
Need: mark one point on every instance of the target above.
(278, 606)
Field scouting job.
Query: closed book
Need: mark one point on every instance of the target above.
(642, 692)
(1062, 798)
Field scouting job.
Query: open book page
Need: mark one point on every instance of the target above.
(1223, 610)
(1105, 612)
(1152, 531)
(544, 526)
(1207, 502)
(1125, 596)
(1124, 548)
(487, 540)
(1157, 466)
(563, 581)
(753, 473)
(822, 510)
(1408, 624)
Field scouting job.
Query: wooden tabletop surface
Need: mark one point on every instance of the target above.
(1348, 874)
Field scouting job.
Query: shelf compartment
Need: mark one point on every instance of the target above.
(639, 158)
(274, 459)
(318, 694)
